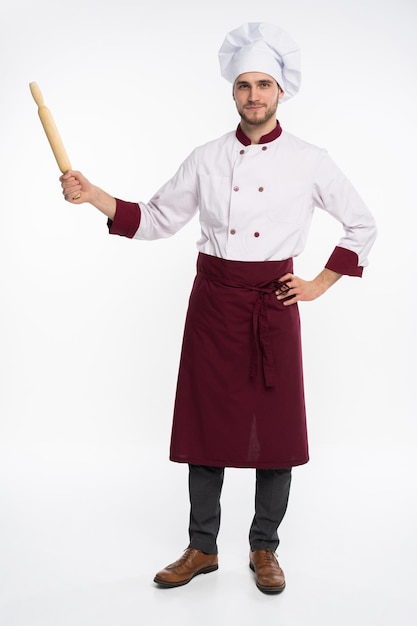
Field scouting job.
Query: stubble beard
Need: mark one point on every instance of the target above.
(258, 121)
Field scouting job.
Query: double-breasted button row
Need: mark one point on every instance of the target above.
(243, 151)
(232, 231)
(237, 188)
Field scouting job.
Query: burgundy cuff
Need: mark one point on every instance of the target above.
(126, 220)
(344, 261)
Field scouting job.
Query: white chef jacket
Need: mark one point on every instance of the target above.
(256, 202)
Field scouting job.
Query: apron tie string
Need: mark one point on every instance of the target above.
(261, 338)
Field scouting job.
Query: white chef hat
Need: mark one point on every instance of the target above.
(261, 47)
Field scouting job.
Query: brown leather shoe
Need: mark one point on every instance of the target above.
(268, 574)
(192, 563)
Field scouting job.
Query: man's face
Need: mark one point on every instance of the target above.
(256, 96)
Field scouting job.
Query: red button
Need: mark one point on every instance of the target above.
(235, 188)
(264, 147)
(260, 189)
(242, 152)
(232, 231)
(256, 234)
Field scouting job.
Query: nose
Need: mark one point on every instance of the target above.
(253, 94)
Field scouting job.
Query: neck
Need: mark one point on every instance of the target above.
(255, 132)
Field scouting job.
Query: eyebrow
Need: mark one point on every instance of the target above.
(264, 80)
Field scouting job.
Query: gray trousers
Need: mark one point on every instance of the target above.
(271, 499)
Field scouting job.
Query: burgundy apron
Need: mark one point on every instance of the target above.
(240, 394)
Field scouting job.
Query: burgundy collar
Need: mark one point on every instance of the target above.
(274, 134)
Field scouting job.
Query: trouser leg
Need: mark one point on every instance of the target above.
(205, 486)
(271, 499)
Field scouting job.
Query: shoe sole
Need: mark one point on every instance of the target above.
(206, 570)
(263, 588)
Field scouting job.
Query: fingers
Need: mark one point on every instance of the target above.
(72, 192)
(285, 283)
(298, 290)
(290, 296)
(71, 186)
(288, 290)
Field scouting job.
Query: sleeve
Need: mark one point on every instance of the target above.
(173, 206)
(170, 209)
(334, 193)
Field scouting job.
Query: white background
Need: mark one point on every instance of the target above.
(91, 325)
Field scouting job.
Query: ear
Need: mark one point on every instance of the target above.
(281, 93)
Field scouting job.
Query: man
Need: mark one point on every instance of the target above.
(240, 397)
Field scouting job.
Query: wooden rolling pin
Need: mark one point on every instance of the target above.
(51, 130)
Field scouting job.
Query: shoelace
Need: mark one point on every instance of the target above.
(269, 557)
(184, 557)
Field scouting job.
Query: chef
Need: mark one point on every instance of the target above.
(240, 396)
